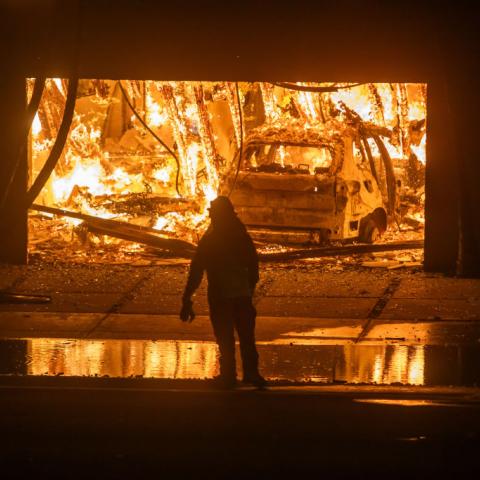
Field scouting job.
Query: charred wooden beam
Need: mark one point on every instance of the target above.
(176, 115)
(143, 235)
(234, 106)
(268, 98)
(212, 159)
(377, 103)
(340, 251)
(404, 119)
(125, 231)
(179, 247)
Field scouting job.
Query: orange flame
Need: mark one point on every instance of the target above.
(92, 160)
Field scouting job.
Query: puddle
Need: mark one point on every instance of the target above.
(409, 403)
(173, 359)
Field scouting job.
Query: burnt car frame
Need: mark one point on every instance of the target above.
(317, 179)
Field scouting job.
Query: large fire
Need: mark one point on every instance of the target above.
(113, 167)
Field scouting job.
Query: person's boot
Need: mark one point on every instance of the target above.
(255, 379)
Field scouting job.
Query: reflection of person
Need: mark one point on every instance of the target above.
(228, 255)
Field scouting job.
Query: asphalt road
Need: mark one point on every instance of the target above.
(96, 429)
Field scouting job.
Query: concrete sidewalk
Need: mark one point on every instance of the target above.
(293, 301)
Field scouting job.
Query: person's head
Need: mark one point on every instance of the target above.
(221, 211)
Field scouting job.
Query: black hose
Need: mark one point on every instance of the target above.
(32, 108)
(302, 88)
(57, 148)
(390, 173)
(164, 145)
(371, 162)
(240, 149)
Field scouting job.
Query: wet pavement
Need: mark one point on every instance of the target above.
(314, 325)
(299, 363)
(373, 374)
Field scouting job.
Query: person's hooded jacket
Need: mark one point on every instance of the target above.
(227, 253)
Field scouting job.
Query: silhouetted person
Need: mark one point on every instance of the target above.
(228, 255)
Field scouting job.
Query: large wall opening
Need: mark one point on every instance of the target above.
(304, 163)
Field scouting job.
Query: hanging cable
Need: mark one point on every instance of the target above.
(32, 108)
(57, 148)
(66, 123)
(240, 148)
(164, 145)
(303, 88)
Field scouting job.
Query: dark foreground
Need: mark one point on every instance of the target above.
(374, 376)
(122, 428)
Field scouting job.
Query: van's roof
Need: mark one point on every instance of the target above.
(329, 133)
(298, 133)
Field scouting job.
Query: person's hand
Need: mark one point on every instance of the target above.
(186, 313)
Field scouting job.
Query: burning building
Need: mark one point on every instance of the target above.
(151, 153)
(330, 159)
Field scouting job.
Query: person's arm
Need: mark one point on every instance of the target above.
(195, 275)
(197, 266)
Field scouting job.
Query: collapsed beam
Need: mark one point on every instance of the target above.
(340, 251)
(124, 231)
(145, 236)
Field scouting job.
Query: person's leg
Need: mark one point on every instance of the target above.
(244, 318)
(221, 316)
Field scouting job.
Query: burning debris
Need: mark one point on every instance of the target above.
(148, 156)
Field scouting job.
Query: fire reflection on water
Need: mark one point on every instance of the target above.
(175, 359)
(125, 358)
(384, 364)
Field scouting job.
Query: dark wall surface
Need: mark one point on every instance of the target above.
(13, 171)
(254, 40)
(270, 40)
